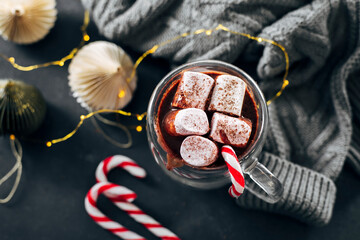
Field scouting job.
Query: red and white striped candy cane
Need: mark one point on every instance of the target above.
(102, 220)
(120, 161)
(151, 224)
(236, 174)
(123, 198)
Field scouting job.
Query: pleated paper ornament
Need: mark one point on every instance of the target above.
(100, 76)
(22, 108)
(26, 21)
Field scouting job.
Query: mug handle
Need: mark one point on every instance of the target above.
(267, 187)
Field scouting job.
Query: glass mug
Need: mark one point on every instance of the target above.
(265, 185)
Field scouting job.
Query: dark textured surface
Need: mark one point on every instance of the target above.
(49, 202)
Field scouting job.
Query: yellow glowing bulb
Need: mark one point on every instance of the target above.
(139, 128)
(12, 137)
(48, 144)
(199, 31)
(121, 94)
(82, 117)
(208, 32)
(11, 59)
(61, 63)
(86, 38)
(286, 82)
(139, 118)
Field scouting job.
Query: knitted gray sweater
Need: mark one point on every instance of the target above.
(311, 123)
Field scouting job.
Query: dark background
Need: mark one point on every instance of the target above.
(49, 203)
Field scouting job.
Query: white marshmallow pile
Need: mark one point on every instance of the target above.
(227, 125)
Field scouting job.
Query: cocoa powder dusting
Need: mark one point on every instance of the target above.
(249, 112)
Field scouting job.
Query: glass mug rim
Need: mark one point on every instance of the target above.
(254, 89)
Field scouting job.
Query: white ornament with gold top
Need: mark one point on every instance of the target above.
(26, 21)
(100, 76)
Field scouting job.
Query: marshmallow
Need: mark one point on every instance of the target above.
(228, 95)
(198, 151)
(184, 122)
(230, 130)
(193, 90)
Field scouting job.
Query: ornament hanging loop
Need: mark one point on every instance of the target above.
(16, 149)
(100, 118)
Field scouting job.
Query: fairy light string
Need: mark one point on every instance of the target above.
(139, 117)
(152, 50)
(85, 38)
(208, 32)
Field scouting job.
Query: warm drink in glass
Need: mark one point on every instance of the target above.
(199, 107)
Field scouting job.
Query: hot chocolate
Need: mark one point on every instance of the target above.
(182, 125)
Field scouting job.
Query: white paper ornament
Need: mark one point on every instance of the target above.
(26, 21)
(99, 76)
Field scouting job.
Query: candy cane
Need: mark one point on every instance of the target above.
(102, 220)
(151, 224)
(122, 198)
(118, 161)
(236, 174)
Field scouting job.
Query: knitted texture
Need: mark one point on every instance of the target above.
(311, 123)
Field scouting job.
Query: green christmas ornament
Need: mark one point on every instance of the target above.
(22, 108)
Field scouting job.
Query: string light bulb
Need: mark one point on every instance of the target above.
(121, 94)
(86, 37)
(139, 128)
